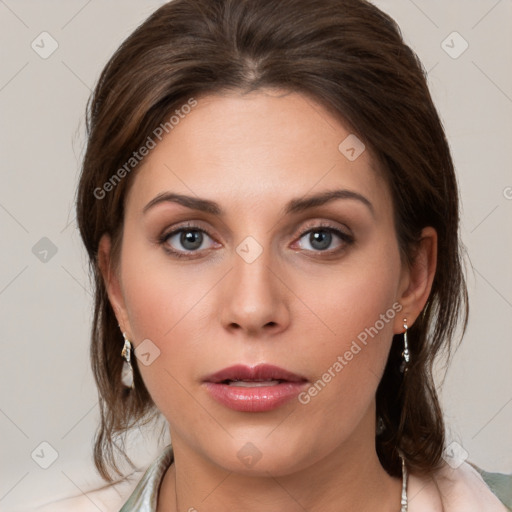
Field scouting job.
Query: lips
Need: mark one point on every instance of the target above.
(261, 373)
(254, 389)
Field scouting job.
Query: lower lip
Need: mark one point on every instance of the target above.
(256, 399)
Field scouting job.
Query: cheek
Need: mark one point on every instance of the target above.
(162, 308)
(169, 304)
(359, 308)
(159, 294)
(360, 296)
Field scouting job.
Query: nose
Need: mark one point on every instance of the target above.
(255, 297)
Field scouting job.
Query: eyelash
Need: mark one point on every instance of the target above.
(162, 239)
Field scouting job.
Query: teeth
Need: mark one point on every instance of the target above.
(252, 383)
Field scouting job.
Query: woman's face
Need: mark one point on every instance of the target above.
(264, 276)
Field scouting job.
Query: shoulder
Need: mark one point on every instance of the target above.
(500, 484)
(461, 489)
(109, 498)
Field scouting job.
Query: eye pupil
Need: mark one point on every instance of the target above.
(193, 237)
(320, 239)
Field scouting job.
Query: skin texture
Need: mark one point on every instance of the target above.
(294, 306)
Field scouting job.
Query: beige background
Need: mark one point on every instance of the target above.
(47, 392)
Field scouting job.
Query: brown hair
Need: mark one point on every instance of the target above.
(350, 57)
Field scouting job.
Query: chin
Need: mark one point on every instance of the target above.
(260, 455)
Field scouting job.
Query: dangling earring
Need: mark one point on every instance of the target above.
(405, 354)
(127, 371)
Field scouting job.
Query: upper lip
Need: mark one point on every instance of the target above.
(260, 372)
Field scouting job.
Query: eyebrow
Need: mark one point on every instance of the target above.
(294, 206)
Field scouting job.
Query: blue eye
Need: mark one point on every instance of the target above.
(190, 238)
(320, 238)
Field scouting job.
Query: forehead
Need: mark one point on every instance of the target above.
(256, 150)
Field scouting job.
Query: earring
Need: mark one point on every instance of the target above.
(406, 356)
(380, 426)
(127, 371)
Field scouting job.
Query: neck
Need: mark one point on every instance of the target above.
(349, 478)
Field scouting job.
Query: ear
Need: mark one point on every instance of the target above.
(417, 278)
(112, 283)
